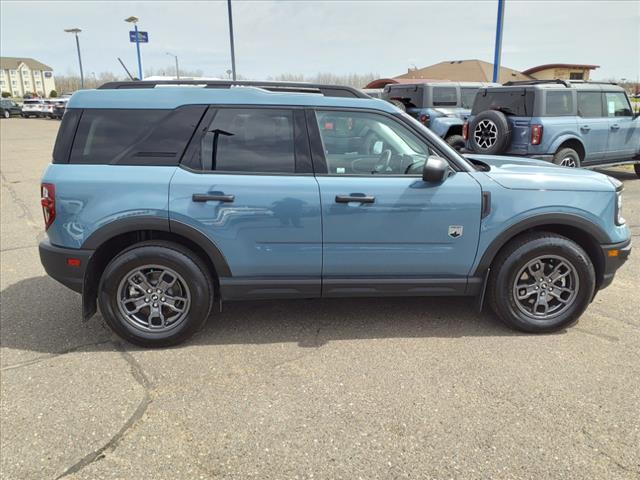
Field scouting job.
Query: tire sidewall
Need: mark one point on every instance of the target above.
(565, 153)
(503, 132)
(197, 281)
(527, 252)
(457, 142)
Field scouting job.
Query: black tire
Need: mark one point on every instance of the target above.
(457, 142)
(493, 130)
(512, 260)
(398, 104)
(6, 114)
(636, 167)
(567, 157)
(164, 254)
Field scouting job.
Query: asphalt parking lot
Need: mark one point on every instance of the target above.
(367, 388)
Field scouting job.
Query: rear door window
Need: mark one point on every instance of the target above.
(559, 103)
(258, 140)
(590, 104)
(445, 97)
(617, 105)
(411, 96)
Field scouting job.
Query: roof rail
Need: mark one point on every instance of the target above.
(297, 87)
(536, 82)
(594, 82)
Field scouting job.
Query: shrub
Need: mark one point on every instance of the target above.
(53, 94)
(6, 94)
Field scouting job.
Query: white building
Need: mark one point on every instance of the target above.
(19, 76)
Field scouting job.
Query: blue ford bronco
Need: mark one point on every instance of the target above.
(164, 199)
(440, 106)
(572, 124)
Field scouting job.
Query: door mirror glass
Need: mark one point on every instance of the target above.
(377, 148)
(435, 170)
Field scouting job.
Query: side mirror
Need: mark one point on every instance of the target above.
(435, 170)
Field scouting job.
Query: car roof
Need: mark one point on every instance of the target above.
(605, 87)
(169, 97)
(443, 83)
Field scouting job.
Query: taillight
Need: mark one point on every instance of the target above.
(424, 119)
(465, 130)
(48, 202)
(536, 134)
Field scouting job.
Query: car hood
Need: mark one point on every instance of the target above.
(528, 174)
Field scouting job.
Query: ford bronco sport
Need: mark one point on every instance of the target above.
(442, 106)
(569, 123)
(164, 199)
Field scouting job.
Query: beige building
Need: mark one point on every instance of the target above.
(562, 71)
(19, 76)
(463, 71)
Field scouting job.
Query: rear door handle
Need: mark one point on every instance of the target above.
(360, 198)
(615, 126)
(212, 197)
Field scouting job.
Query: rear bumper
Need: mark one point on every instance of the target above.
(615, 255)
(55, 261)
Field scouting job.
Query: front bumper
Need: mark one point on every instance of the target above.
(66, 265)
(615, 255)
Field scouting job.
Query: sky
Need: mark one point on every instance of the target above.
(308, 37)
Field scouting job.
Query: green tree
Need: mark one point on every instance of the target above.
(6, 94)
(53, 94)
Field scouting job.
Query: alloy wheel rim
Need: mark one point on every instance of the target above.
(546, 287)
(153, 298)
(568, 162)
(485, 134)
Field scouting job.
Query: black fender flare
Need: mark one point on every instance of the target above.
(561, 219)
(143, 223)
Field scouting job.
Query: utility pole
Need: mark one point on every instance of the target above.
(233, 54)
(76, 31)
(497, 56)
(177, 68)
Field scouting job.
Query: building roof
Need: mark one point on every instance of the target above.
(532, 70)
(170, 97)
(464, 70)
(381, 82)
(11, 63)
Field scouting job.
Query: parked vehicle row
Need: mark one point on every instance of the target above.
(442, 107)
(34, 107)
(161, 203)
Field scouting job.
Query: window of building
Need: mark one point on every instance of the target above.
(12, 73)
(590, 104)
(249, 140)
(559, 103)
(576, 76)
(359, 143)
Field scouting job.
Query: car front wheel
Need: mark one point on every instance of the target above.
(542, 282)
(155, 294)
(6, 114)
(636, 167)
(567, 157)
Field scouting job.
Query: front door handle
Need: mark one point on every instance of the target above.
(360, 198)
(615, 126)
(212, 197)
(585, 128)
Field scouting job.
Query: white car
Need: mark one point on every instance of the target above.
(33, 108)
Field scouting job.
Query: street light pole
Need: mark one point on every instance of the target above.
(76, 31)
(177, 68)
(497, 57)
(134, 20)
(233, 53)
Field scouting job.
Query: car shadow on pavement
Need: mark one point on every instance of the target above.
(621, 175)
(40, 315)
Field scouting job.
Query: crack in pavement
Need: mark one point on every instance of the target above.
(140, 377)
(26, 214)
(52, 355)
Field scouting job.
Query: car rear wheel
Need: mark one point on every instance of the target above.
(636, 167)
(398, 104)
(542, 282)
(567, 157)
(6, 114)
(456, 141)
(155, 294)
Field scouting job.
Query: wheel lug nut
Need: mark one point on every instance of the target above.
(162, 299)
(146, 300)
(149, 291)
(155, 305)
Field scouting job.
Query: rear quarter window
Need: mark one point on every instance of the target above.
(134, 137)
(412, 96)
(559, 103)
(445, 97)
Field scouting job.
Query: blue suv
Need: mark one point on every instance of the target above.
(441, 106)
(571, 124)
(164, 199)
